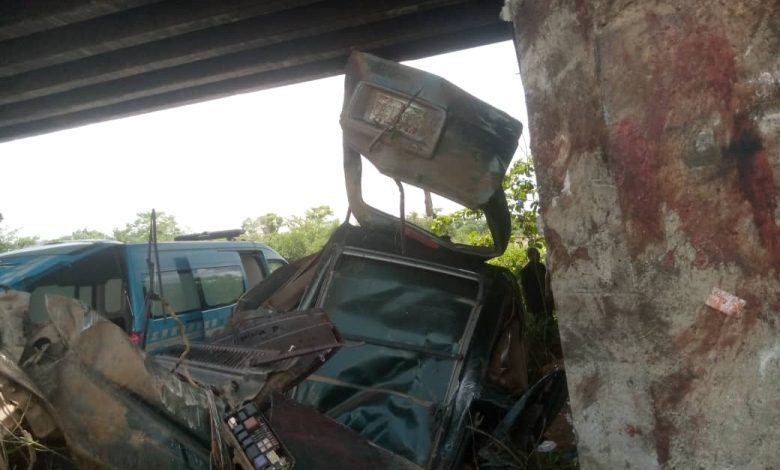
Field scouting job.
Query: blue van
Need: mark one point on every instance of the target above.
(201, 280)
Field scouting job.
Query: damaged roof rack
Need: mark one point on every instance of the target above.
(217, 235)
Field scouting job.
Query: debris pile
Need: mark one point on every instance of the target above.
(76, 393)
(392, 348)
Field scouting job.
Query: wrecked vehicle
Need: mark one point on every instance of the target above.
(76, 393)
(391, 348)
(201, 279)
(434, 337)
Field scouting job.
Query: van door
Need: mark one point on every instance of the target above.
(180, 289)
(201, 284)
(221, 277)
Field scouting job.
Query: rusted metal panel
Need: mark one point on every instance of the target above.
(320, 443)
(79, 377)
(111, 404)
(258, 355)
(422, 130)
(425, 131)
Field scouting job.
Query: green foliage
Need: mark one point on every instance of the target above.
(266, 224)
(10, 240)
(470, 227)
(420, 220)
(544, 343)
(298, 236)
(521, 194)
(138, 230)
(514, 258)
(463, 226)
(293, 237)
(85, 234)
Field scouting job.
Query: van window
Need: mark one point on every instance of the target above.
(85, 295)
(38, 300)
(221, 286)
(198, 280)
(179, 289)
(113, 296)
(253, 269)
(97, 281)
(274, 264)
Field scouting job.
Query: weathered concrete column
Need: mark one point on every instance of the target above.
(655, 130)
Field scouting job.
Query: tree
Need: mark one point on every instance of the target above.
(428, 204)
(84, 234)
(521, 194)
(420, 220)
(293, 237)
(10, 240)
(463, 226)
(138, 230)
(308, 234)
(470, 227)
(267, 224)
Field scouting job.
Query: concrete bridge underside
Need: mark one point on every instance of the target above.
(73, 62)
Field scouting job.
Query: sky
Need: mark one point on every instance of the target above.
(216, 163)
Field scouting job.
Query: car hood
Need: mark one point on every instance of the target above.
(420, 129)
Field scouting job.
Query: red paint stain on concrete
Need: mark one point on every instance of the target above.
(662, 435)
(636, 163)
(694, 66)
(563, 259)
(632, 430)
(584, 19)
(587, 389)
(712, 331)
(693, 70)
(667, 395)
(756, 183)
(701, 69)
(701, 64)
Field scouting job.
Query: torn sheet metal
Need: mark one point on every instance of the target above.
(81, 387)
(13, 308)
(423, 130)
(112, 406)
(258, 355)
(420, 129)
(322, 444)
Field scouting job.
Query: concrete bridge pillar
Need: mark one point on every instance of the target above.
(655, 131)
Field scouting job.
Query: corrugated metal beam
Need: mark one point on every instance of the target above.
(82, 61)
(279, 77)
(128, 28)
(327, 46)
(278, 27)
(23, 17)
